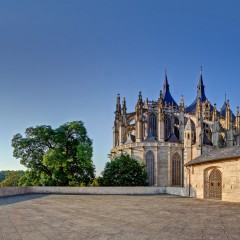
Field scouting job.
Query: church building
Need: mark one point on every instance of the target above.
(168, 136)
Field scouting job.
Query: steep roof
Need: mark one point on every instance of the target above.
(223, 111)
(217, 155)
(167, 97)
(130, 139)
(173, 139)
(150, 138)
(200, 95)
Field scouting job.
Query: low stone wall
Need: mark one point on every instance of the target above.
(180, 191)
(97, 190)
(10, 191)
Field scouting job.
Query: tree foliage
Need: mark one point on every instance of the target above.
(124, 171)
(2, 175)
(11, 178)
(55, 157)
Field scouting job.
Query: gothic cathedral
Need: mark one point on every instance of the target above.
(165, 135)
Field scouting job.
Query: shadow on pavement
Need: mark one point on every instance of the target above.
(20, 198)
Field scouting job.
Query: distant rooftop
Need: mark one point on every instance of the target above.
(216, 155)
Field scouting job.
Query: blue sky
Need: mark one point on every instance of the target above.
(67, 60)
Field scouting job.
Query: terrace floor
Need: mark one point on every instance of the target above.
(103, 217)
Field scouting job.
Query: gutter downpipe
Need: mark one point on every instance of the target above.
(189, 182)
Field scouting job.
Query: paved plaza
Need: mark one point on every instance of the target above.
(36, 217)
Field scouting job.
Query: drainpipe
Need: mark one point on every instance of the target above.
(189, 182)
(182, 180)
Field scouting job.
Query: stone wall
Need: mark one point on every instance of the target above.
(97, 190)
(180, 191)
(10, 191)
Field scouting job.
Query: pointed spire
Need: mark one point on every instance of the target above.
(214, 114)
(200, 94)
(166, 85)
(118, 104)
(237, 122)
(124, 107)
(200, 79)
(200, 84)
(167, 97)
(118, 108)
(140, 97)
(182, 101)
(228, 116)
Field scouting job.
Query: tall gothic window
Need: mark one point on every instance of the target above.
(152, 124)
(176, 127)
(176, 170)
(168, 127)
(150, 169)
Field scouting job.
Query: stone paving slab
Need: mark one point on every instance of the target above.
(109, 217)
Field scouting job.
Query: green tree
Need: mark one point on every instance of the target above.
(2, 175)
(55, 157)
(123, 171)
(11, 179)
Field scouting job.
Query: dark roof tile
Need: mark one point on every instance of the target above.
(216, 155)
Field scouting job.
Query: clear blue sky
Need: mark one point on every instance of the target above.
(67, 60)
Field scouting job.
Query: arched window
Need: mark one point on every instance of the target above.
(150, 169)
(176, 170)
(168, 127)
(152, 124)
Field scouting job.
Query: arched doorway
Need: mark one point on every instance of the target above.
(150, 169)
(176, 170)
(214, 185)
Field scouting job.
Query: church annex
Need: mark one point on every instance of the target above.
(166, 135)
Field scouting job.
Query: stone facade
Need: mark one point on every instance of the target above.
(165, 135)
(216, 175)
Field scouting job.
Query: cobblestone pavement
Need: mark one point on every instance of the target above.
(52, 217)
